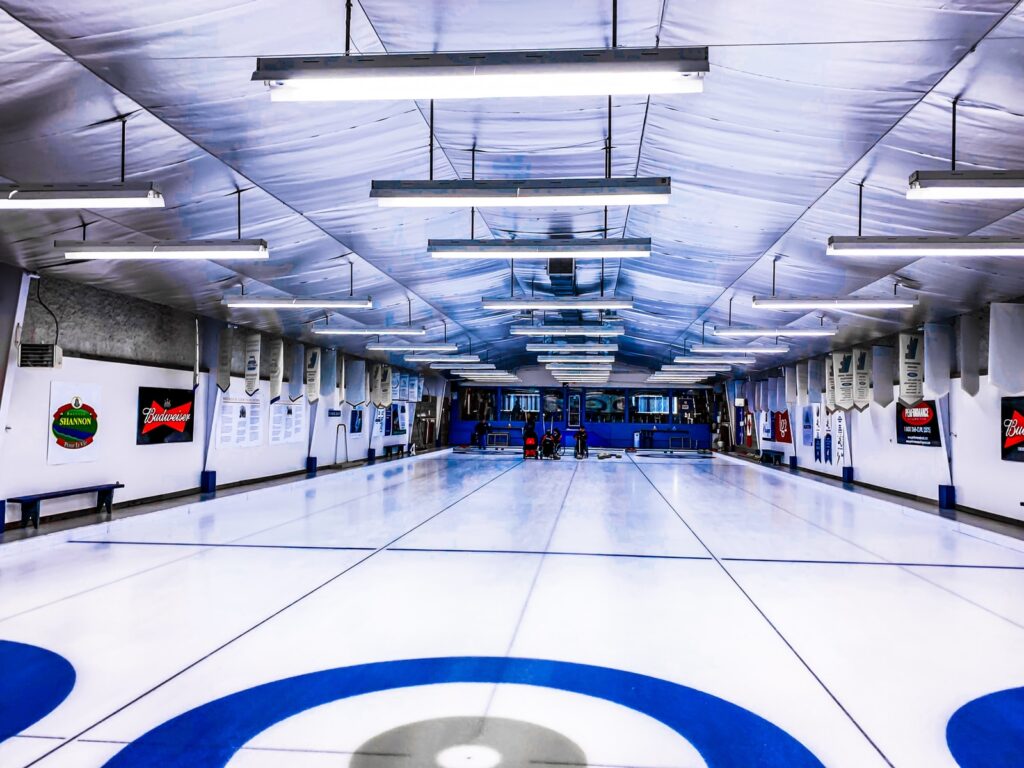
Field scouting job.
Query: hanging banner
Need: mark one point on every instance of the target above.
(164, 416)
(861, 378)
(918, 424)
(882, 375)
(791, 385)
(312, 375)
(969, 348)
(329, 374)
(748, 394)
(841, 442)
(842, 376)
(780, 393)
(911, 352)
(355, 381)
(748, 429)
(252, 363)
(276, 365)
(815, 379)
(420, 384)
(403, 387)
(240, 421)
(739, 434)
(830, 385)
(818, 434)
(772, 399)
(938, 358)
(827, 439)
(767, 426)
(1006, 347)
(783, 433)
(340, 374)
(224, 359)
(396, 386)
(1012, 443)
(808, 426)
(74, 423)
(801, 380)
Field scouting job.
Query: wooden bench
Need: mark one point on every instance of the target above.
(772, 457)
(30, 503)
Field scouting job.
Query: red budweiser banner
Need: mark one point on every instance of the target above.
(165, 416)
(1012, 437)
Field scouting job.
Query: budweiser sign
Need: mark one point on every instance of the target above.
(165, 416)
(1012, 442)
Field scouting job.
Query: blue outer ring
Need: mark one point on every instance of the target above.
(989, 731)
(725, 735)
(33, 682)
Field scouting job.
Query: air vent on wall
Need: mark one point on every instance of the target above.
(40, 356)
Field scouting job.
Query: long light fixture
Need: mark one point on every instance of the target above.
(832, 303)
(482, 75)
(734, 332)
(215, 250)
(255, 302)
(966, 185)
(462, 366)
(578, 367)
(387, 346)
(521, 193)
(71, 196)
(558, 303)
(567, 330)
(385, 330)
(550, 248)
(916, 247)
(586, 359)
(714, 359)
(587, 346)
(436, 358)
(763, 349)
(693, 369)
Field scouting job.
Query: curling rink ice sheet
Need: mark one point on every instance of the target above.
(475, 611)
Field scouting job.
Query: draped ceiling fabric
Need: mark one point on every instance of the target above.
(803, 102)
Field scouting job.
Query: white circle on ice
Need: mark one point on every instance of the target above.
(468, 756)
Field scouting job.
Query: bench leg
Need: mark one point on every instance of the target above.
(104, 500)
(30, 512)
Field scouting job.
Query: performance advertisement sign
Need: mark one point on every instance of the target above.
(911, 351)
(861, 378)
(842, 371)
(1013, 429)
(252, 363)
(74, 423)
(165, 416)
(783, 433)
(276, 365)
(918, 424)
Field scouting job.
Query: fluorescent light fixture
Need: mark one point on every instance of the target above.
(521, 193)
(833, 303)
(587, 346)
(387, 330)
(483, 75)
(567, 330)
(585, 359)
(408, 346)
(714, 359)
(72, 196)
(916, 247)
(763, 349)
(214, 250)
(462, 366)
(732, 332)
(558, 303)
(696, 369)
(577, 367)
(966, 185)
(435, 358)
(550, 248)
(255, 302)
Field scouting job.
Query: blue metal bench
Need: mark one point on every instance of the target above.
(30, 503)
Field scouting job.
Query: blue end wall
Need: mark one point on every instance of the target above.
(600, 435)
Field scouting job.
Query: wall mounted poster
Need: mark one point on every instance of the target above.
(74, 423)
(783, 433)
(241, 421)
(918, 424)
(165, 416)
(287, 422)
(1012, 443)
(356, 425)
(767, 426)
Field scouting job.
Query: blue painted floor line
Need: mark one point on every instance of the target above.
(218, 545)
(872, 562)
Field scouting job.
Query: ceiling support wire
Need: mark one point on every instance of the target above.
(952, 151)
(430, 152)
(472, 175)
(351, 277)
(238, 192)
(348, 27)
(124, 144)
(860, 208)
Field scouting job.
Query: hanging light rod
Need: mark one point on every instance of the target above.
(915, 247)
(387, 330)
(214, 250)
(578, 359)
(548, 248)
(520, 193)
(734, 332)
(256, 302)
(435, 358)
(558, 302)
(966, 185)
(567, 330)
(483, 75)
(713, 359)
(696, 369)
(71, 196)
(892, 302)
(714, 349)
(462, 366)
(592, 346)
